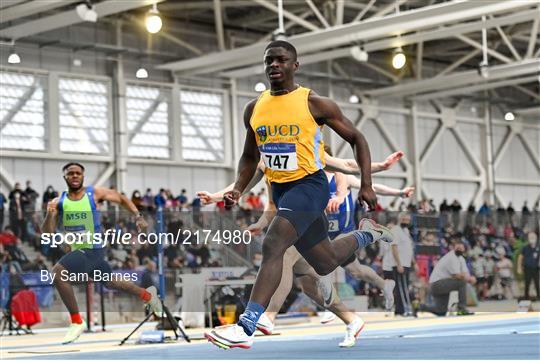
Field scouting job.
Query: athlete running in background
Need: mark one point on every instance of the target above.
(75, 211)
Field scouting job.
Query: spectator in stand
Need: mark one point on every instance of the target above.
(149, 276)
(450, 274)
(525, 214)
(503, 268)
(479, 271)
(401, 259)
(263, 197)
(501, 213)
(148, 201)
(510, 210)
(3, 202)
(484, 212)
(38, 265)
(182, 199)
(456, 210)
(31, 196)
(170, 201)
(444, 210)
(160, 200)
(117, 255)
(17, 204)
(48, 196)
(174, 259)
(146, 251)
(196, 208)
(490, 269)
(33, 231)
(529, 264)
(137, 200)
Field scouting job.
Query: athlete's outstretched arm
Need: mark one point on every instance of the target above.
(51, 217)
(381, 189)
(349, 166)
(342, 189)
(114, 196)
(389, 191)
(326, 111)
(270, 211)
(209, 198)
(248, 161)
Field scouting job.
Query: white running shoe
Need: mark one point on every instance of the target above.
(327, 317)
(265, 325)
(154, 305)
(353, 330)
(388, 293)
(74, 331)
(229, 336)
(376, 230)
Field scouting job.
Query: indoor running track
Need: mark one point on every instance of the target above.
(517, 338)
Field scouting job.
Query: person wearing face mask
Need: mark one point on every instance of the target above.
(450, 274)
(48, 196)
(529, 264)
(403, 258)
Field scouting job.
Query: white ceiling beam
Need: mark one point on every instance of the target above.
(361, 14)
(340, 11)
(364, 31)
(528, 92)
(4, 4)
(70, 17)
(403, 40)
(534, 35)
(419, 59)
(477, 45)
(388, 8)
(508, 43)
(288, 15)
(531, 66)
(458, 62)
(286, 26)
(528, 111)
(219, 25)
(467, 89)
(317, 13)
(31, 8)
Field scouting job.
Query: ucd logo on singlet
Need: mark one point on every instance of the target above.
(284, 130)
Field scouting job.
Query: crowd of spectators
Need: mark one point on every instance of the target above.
(496, 238)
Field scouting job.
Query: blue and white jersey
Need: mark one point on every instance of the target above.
(343, 220)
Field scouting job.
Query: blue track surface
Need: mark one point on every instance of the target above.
(514, 339)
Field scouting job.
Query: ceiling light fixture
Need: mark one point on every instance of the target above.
(87, 12)
(153, 20)
(398, 59)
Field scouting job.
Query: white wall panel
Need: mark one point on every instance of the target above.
(448, 158)
(516, 163)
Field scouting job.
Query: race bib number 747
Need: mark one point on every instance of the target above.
(279, 156)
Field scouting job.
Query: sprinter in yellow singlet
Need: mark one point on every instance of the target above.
(284, 128)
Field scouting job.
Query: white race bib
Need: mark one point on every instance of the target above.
(333, 225)
(279, 156)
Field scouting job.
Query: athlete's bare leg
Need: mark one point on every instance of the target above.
(290, 258)
(65, 289)
(309, 287)
(365, 273)
(280, 236)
